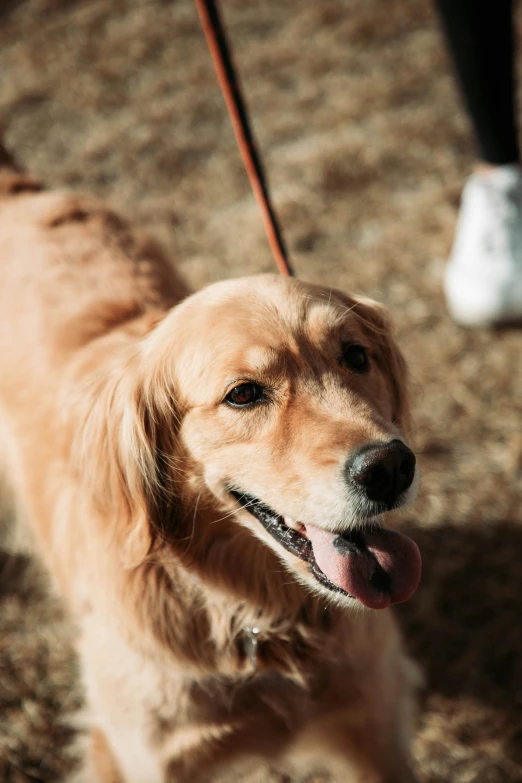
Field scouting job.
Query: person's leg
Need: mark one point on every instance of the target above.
(481, 42)
(483, 280)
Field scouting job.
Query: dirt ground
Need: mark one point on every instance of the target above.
(367, 149)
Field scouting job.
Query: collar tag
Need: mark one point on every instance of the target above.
(251, 644)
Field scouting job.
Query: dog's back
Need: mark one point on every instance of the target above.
(77, 264)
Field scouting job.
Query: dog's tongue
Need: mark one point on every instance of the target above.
(378, 567)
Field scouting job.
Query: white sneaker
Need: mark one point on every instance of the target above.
(483, 278)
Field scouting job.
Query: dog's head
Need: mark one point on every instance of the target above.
(286, 403)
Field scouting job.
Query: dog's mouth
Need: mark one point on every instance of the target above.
(375, 566)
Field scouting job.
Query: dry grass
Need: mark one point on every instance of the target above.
(367, 150)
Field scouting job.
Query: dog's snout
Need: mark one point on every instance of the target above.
(383, 471)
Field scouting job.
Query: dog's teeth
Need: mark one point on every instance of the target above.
(295, 525)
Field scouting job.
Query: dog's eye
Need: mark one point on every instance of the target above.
(244, 394)
(354, 357)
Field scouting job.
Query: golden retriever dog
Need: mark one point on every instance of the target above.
(208, 478)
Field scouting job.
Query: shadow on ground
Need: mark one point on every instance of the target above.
(463, 626)
(39, 689)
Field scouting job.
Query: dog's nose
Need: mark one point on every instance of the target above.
(382, 470)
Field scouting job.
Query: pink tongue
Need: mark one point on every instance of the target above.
(360, 572)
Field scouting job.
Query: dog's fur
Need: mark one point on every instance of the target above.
(119, 449)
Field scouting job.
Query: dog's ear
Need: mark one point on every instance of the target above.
(125, 448)
(376, 322)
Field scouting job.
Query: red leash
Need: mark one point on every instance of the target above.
(229, 83)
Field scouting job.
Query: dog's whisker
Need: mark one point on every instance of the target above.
(411, 431)
(193, 522)
(233, 512)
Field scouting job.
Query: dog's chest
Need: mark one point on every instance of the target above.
(154, 710)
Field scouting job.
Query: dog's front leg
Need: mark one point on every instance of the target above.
(367, 724)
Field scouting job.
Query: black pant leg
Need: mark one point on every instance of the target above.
(481, 42)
